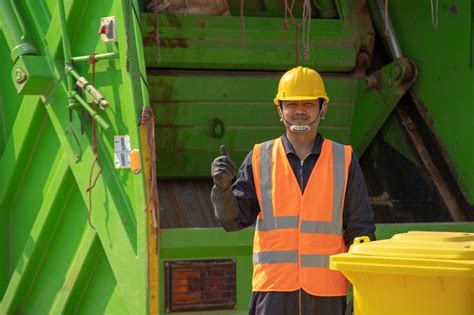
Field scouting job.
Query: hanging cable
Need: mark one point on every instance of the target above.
(148, 120)
(289, 10)
(297, 54)
(434, 14)
(285, 21)
(306, 28)
(92, 183)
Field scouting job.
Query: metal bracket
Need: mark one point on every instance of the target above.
(31, 75)
(377, 96)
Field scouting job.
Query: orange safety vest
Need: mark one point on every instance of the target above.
(296, 233)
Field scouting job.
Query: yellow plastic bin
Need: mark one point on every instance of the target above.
(411, 273)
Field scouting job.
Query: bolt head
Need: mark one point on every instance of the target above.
(20, 75)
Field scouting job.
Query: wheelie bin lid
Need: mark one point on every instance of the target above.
(419, 244)
(413, 253)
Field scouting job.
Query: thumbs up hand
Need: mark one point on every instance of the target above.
(223, 169)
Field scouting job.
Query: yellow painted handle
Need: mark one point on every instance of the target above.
(361, 239)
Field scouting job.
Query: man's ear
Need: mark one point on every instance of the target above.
(324, 110)
(280, 112)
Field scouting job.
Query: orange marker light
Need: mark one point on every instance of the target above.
(135, 163)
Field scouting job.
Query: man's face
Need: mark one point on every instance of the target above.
(300, 112)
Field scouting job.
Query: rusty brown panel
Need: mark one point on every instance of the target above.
(186, 203)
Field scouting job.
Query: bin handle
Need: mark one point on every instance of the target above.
(361, 239)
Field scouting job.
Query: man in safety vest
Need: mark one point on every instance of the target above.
(308, 199)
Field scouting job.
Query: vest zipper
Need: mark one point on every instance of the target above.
(301, 187)
(301, 175)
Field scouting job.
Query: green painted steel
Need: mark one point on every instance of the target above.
(53, 260)
(216, 42)
(8, 95)
(377, 96)
(196, 112)
(216, 243)
(15, 31)
(213, 85)
(444, 88)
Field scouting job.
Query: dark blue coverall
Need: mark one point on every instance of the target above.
(358, 220)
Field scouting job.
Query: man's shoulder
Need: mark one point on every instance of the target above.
(337, 143)
(267, 142)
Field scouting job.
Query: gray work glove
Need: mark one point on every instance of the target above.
(223, 170)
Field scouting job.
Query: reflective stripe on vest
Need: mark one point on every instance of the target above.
(271, 220)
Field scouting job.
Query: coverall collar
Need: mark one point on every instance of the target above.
(318, 144)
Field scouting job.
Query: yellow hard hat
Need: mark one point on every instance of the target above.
(299, 84)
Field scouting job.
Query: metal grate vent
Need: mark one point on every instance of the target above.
(196, 285)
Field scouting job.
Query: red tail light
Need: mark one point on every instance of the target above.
(197, 285)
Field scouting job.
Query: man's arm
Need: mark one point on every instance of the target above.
(237, 207)
(358, 214)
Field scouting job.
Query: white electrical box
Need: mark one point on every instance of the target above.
(107, 29)
(122, 151)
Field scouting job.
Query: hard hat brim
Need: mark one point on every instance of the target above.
(300, 98)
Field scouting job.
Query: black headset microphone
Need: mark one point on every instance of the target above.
(303, 128)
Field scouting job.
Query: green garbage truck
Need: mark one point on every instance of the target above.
(112, 111)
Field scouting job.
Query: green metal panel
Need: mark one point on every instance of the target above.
(53, 260)
(216, 42)
(190, 105)
(197, 110)
(444, 58)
